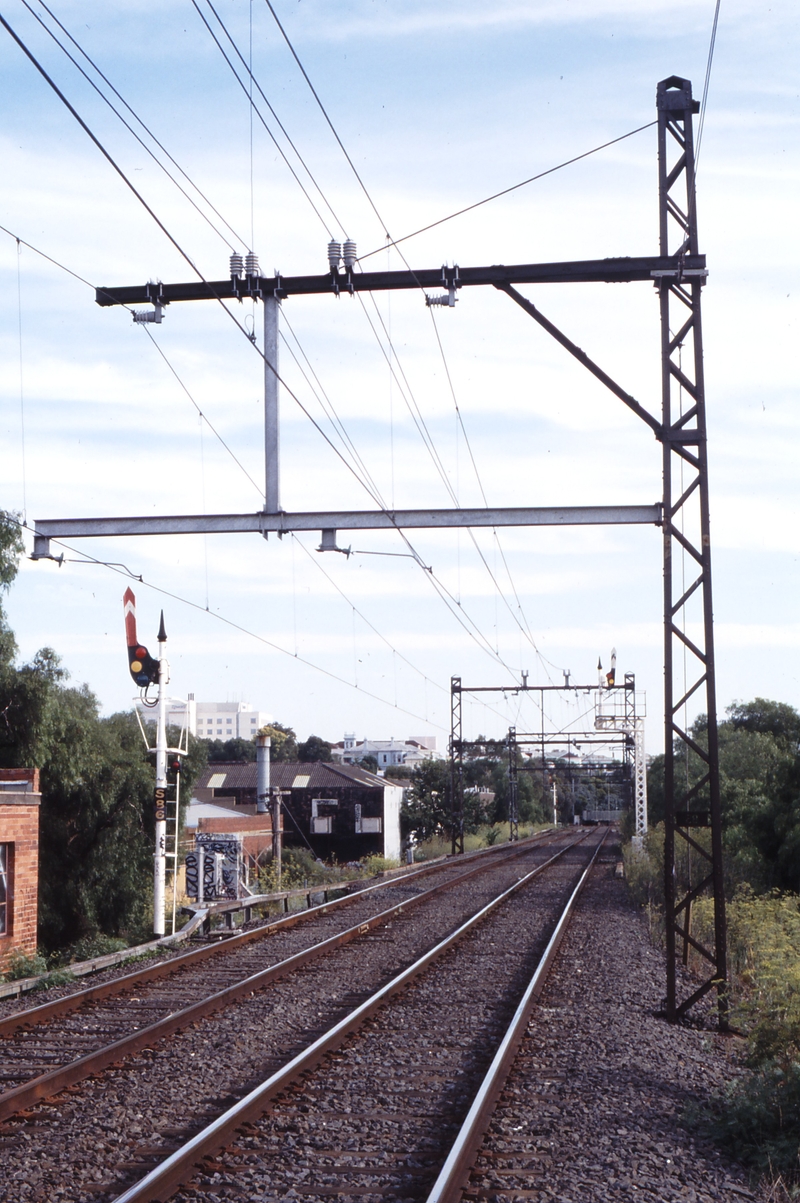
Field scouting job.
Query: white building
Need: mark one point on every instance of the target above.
(388, 752)
(215, 720)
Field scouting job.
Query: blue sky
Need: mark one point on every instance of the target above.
(438, 105)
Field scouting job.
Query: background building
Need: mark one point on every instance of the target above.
(339, 811)
(389, 753)
(216, 720)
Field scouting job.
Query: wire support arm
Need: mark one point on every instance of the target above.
(621, 270)
(282, 523)
(582, 357)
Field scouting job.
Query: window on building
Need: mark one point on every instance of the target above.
(5, 888)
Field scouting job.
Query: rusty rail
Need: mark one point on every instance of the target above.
(50, 1083)
(176, 1169)
(454, 1174)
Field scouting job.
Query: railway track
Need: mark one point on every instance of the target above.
(45, 1049)
(375, 1105)
(67, 1146)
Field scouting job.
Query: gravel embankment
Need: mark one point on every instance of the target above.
(594, 1108)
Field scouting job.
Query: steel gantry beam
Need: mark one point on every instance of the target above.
(678, 272)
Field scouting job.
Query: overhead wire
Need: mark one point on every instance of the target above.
(472, 629)
(421, 425)
(513, 188)
(128, 126)
(216, 433)
(259, 114)
(229, 622)
(706, 82)
(417, 416)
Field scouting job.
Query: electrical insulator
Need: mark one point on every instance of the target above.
(237, 267)
(251, 264)
(334, 254)
(349, 253)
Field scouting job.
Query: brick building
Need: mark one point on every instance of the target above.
(339, 811)
(19, 861)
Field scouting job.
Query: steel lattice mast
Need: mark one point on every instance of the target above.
(688, 661)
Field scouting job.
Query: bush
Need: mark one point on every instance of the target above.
(758, 1119)
(378, 864)
(96, 945)
(20, 965)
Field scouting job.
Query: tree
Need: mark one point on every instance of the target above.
(369, 763)
(97, 814)
(283, 742)
(426, 811)
(759, 790)
(241, 751)
(314, 750)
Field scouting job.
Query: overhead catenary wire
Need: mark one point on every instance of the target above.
(262, 119)
(229, 622)
(421, 425)
(416, 416)
(706, 82)
(128, 126)
(445, 594)
(75, 275)
(21, 381)
(512, 188)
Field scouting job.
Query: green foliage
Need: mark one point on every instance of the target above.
(283, 742)
(426, 811)
(11, 548)
(378, 864)
(758, 1120)
(369, 763)
(396, 772)
(96, 945)
(493, 835)
(314, 750)
(759, 787)
(21, 965)
(240, 751)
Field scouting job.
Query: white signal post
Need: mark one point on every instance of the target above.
(160, 863)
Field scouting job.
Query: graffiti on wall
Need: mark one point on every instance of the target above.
(221, 857)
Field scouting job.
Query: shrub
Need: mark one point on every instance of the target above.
(95, 945)
(378, 864)
(20, 965)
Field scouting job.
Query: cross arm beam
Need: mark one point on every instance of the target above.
(283, 523)
(582, 357)
(605, 271)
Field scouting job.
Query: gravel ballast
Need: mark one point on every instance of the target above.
(594, 1106)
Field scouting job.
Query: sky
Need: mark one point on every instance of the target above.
(437, 106)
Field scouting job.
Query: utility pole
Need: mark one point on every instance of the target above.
(513, 784)
(277, 842)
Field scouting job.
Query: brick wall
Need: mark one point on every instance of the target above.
(19, 827)
(255, 829)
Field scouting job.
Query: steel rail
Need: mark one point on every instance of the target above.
(57, 1007)
(55, 1080)
(453, 1176)
(174, 1171)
